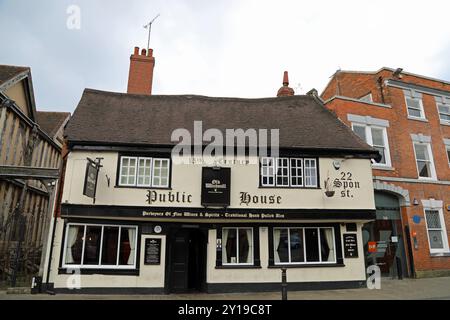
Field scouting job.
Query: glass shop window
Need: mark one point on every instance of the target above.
(237, 246)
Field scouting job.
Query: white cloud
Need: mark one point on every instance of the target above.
(222, 48)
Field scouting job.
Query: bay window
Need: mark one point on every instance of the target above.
(144, 172)
(304, 245)
(100, 246)
(289, 172)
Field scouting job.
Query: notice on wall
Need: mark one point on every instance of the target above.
(350, 245)
(152, 251)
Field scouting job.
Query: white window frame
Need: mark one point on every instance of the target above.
(296, 176)
(369, 141)
(443, 230)
(139, 167)
(430, 154)
(439, 112)
(282, 176)
(304, 246)
(447, 149)
(99, 266)
(269, 164)
(121, 168)
(136, 174)
(237, 247)
(275, 166)
(160, 176)
(421, 108)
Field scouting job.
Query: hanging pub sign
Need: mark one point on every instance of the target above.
(152, 251)
(90, 179)
(350, 245)
(216, 187)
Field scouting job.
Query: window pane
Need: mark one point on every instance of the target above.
(424, 169)
(383, 155)
(444, 108)
(229, 241)
(433, 219)
(282, 172)
(327, 245)
(436, 239)
(109, 247)
(310, 173)
(127, 246)
(415, 113)
(377, 137)
(421, 152)
(92, 245)
(360, 131)
(297, 252)
(281, 245)
(296, 172)
(413, 103)
(144, 171)
(312, 245)
(245, 246)
(448, 154)
(74, 245)
(160, 172)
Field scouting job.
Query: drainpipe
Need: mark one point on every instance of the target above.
(380, 84)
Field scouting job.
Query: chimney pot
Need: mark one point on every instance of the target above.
(143, 52)
(285, 90)
(136, 50)
(150, 53)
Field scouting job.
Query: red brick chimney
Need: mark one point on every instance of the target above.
(285, 90)
(140, 78)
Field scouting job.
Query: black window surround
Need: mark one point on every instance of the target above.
(338, 243)
(153, 155)
(256, 248)
(290, 158)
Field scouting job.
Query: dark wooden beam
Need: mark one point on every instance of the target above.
(19, 172)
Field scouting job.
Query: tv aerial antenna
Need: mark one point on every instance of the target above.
(149, 27)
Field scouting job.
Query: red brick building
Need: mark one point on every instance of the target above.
(407, 118)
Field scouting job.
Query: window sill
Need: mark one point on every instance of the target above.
(288, 188)
(146, 188)
(427, 179)
(316, 265)
(386, 168)
(444, 123)
(238, 267)
(115, 272)
(440, 254)
(417, 119)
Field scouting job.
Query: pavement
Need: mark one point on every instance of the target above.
(408, 289)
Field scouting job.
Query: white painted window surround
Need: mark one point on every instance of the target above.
(443, 107)
(447, 148)
(435, 223)
(414, 104)
(374, 132)
(424, 156)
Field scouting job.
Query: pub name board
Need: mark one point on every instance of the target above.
(213, 215)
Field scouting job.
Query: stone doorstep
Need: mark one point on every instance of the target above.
(18, 290)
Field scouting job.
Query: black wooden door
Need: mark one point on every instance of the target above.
(179, 266)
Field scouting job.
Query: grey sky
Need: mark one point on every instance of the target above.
(220, 48)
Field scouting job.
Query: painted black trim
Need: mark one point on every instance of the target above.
(299, 266)
(77, 210)
(133, 290)
(274, 286)
(256, 248)
(283, 151)
(116, 272)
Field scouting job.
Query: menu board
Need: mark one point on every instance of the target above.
(350, 245)
(152, 251)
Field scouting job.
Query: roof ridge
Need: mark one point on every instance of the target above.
(294, 97)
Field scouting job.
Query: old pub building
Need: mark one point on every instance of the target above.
(134, 217)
